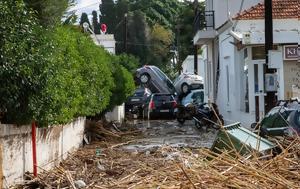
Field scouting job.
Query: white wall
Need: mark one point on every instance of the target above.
(224, 9)
(53, 144)
(229, 86)
(188, 65)
(117, 115)
(105, 40)
(285, 30)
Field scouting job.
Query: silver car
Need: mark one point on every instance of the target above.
(153, 78)
(188, 81)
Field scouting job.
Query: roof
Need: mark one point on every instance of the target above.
(282, 9)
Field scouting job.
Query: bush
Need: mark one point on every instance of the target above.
(55, 76)
(22, 58)
(124, 85)
(81, 80)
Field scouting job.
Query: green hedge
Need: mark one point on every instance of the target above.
(55, 76)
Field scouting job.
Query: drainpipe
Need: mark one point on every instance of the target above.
(33, 135)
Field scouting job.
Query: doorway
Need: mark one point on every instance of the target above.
(256, 88)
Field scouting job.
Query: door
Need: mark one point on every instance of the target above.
(256, 88)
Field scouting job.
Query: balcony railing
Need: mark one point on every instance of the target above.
(204, 21)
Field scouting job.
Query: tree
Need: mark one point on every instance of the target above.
(108, 15)
(25, 50)
(138, 36)
(161, 40)
(84, 18)
(49, 12)
(96, 25)
(186, 30)
(162, 12)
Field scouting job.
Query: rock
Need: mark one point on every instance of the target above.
(80, 184)
(100, 167)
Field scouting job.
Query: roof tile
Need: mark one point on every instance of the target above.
(282, 9)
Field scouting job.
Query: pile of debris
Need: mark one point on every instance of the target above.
(105, 164)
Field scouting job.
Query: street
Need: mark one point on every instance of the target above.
(149, 154)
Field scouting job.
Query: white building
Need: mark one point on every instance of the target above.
(233, 51)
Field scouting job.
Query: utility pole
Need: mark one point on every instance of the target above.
(270, 99)
(195, 46)
(268, 28)
(125, 32)
(177, 44)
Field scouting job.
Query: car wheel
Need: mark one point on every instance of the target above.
(145, 78)
(185, 88)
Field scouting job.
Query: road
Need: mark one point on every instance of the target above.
(143, 154)
(157, 133)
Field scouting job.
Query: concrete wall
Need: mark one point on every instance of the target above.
(105, 40)
(117, 115)
(225, 9)
(53, 144)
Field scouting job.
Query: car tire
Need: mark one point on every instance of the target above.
(145, 78)
(185, 88)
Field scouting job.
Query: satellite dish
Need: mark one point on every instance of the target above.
(85, 25)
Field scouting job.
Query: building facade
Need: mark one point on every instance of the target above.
(234, 54)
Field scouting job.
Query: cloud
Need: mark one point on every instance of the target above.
(86, 6)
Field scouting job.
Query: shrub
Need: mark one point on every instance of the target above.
(22, 58)
(81, 80)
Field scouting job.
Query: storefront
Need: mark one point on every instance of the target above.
(291, 68)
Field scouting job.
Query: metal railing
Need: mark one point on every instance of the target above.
(204, 21)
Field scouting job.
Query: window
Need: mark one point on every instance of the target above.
(258, 53)
(198, 97)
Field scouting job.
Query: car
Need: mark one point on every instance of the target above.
(162, 104)
(283, 119)
(195, 96)
(186, 82)
(153, 78)
(135, 102)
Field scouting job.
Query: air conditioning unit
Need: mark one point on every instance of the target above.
(246, 38)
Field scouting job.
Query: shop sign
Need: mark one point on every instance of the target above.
(291, 52)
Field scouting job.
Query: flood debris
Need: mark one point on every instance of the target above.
(170, 167)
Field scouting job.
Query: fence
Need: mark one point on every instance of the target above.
(53, 145)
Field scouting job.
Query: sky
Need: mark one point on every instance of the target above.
(88, 6)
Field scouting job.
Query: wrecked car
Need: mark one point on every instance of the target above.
(134, 103)
(284, 119)
(186, 82)
(153, 78)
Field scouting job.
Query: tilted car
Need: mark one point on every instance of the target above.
(284, 119)
(135, 102)
(159, 104)
(153, 78)
(186, 82)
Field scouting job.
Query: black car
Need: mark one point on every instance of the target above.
(134, 104)
(281, 120)
(159, 104)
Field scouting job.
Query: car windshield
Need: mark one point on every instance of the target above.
(139, 93)
(198, 97)
(162, 98)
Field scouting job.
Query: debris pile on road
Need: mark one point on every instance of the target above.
(106, 164)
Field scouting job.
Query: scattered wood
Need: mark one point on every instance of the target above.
(186, 169)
